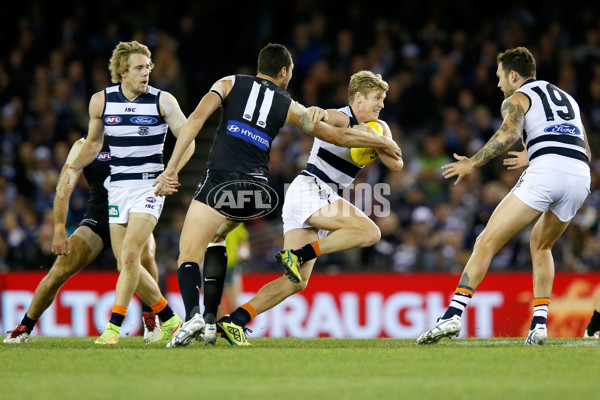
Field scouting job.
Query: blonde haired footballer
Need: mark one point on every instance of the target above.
(135, 117)
(316, 220)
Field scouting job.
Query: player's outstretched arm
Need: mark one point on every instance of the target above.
(362, 136)
(513, 111)
(176, 120)
(167, 182)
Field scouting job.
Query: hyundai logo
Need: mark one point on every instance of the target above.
(233, 128)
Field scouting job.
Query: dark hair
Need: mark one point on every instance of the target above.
(519, 60)
(272, 58)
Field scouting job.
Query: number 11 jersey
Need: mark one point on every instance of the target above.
(253, 113)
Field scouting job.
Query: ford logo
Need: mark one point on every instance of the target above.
(563, 129)
(233, 128)
(112, 120)
(143, 120)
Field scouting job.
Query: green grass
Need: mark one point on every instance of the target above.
(290, 368)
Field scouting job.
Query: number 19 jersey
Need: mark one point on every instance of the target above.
(553, 126)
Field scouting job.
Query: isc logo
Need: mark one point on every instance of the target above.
(112, 119)
(130, 110)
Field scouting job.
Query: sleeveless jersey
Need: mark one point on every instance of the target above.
(253, 113)
(553, 130)
(135, 132)
(331, 163)
(95, 174)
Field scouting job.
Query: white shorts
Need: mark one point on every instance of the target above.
(546, 189)
(305, 196)
(139, 198)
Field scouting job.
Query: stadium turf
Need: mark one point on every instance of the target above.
(289, 368)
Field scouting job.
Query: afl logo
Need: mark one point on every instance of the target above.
(112, 120)
(233, 128)
(151, 199)
(143, 120)
(104, 156)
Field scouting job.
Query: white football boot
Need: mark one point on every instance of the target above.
(151, 327)
(442, 328)
(537, 335)
(17, 335)
(188, 330)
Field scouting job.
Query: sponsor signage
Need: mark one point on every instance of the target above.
(343, 305)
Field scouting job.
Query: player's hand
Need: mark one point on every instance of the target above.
(518, 160)
(166, 183)
(461, 168)
(60, 243)
(391, 148)
(317, 114)
(67, 182)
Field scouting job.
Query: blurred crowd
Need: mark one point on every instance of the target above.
(440, 63)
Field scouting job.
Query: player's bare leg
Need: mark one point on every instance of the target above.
(128, 242)
(84, 247)
(281, 288)
(509, 217)
(200, 227)
(543, 236)
(149, 318)
(350, 228)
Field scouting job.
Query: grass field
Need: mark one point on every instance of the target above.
(289, 368)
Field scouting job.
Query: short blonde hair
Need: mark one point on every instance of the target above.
(365, 82)
(119, 62)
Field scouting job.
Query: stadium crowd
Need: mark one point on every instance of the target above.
(440, 64)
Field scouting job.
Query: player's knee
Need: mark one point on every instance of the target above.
(298, 287)
(57, 276)
(129, 257)
(484, 243)
(371, 234)
(147, 259)
(537, 242)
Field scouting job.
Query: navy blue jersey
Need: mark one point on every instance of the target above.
(253, 113)
(96, 173)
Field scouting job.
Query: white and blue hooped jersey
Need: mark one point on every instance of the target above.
(135, 132)
(331, 163)
(553, 130)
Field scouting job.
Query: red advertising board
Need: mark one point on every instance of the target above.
(358, 305)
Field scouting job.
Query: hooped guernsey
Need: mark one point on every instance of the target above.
(135, 132)
(333, 164)
(553, 127)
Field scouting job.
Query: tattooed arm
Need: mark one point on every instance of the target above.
(513, 111)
